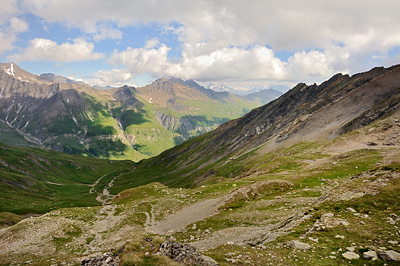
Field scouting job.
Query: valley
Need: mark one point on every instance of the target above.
(312, 178)
(123, 123)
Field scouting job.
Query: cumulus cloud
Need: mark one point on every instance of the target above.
(232, 40)
(9, 32)
(152, 43)
(10, 25)
(114, 78)
(48, 50)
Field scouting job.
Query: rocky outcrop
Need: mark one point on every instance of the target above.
(107, 258)
(184, 254)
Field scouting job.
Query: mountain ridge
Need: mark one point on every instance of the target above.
(303, 113)
(125, 122)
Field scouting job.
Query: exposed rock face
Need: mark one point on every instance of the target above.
(185, 254)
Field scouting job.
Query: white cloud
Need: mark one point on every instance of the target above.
(152, 43)
(309, 66)
(114, 78)
(228, 39)
(9, 31)
(48, 50)
(227, 63)
(18, 25)
(103, 32)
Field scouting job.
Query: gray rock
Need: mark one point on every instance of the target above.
(351, 249)
(184, 253)
(350, 255)
(209, 260)
(299, 245)
(350, 209)
(370, 255)
(389, 255)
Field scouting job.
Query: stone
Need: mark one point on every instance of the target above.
(370, 255)
(350, 255)
(350, 209)
(395, 216)
(339, 236)
(299, 245)
(393, 242)
(209, 260)
(326, 215)
(391, 221)
(351, 249)
(313, 239)
(389, 255)
(184, 254)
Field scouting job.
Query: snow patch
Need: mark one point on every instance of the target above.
(1, 93)
(10, 71)
(120, 125)
(150, 100)
(68, 100)
(25, 125)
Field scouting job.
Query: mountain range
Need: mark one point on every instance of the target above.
(311, 178)
(123, 123)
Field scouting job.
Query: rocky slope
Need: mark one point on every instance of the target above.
(123, 123)
(316, 112)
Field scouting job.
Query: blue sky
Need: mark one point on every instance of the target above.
(244, 44)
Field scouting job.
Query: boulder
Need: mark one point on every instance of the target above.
(350, 255)
(389, 255)
(370, 255)
(299, 245)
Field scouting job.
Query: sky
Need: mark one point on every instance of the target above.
(245, 44)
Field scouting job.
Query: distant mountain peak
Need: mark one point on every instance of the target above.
(16, 72)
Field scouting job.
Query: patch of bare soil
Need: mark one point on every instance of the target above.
(188, 215)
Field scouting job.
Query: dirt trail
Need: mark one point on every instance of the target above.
(92, 190)
(150, 218)
(188, 215)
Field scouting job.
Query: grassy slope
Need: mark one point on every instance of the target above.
(11, 136)
(36, 181)
(151, 138)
